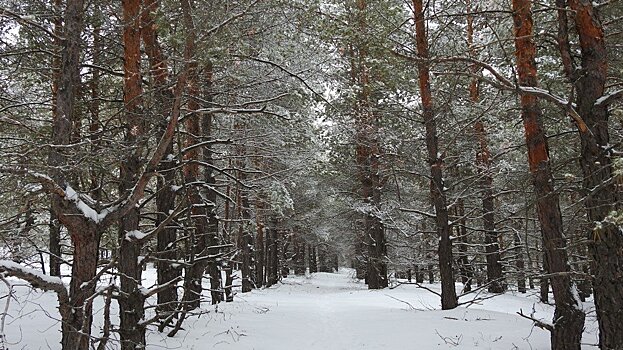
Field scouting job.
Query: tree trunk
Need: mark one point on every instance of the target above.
(76, 326)
(272, 255)
(131, 300)
(606, 240)
(165, 198)
(313, 261)
(483, 165)
(568, 315)
(467, 272)
(55, 244)
(448, 292)
(212, 239)
(259, 253)
(227, 237)
(84, 234)
(245, 238)
(519, 264)
(55, 156)
(199, 217)
(368, 158)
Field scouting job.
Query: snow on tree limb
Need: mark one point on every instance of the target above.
(34, 277)
(507, 84)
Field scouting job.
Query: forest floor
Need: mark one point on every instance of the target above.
(321, 311)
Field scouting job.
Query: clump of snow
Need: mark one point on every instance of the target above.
(87, 211)
(135, 235)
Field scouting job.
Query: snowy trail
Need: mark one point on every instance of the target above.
(322, 312)
(334, 312)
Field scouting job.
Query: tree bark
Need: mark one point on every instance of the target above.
(605, 238)
(84, 234)
(245, 237)
(568, 315)
(55, 157)
(448, 292)
(212, 239)
(483, 166)
(197, 241)
(165, 198)
(368, 162)
(131, 300)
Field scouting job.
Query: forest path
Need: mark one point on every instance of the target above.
(333, 312)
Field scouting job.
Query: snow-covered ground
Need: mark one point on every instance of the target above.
(322, 311)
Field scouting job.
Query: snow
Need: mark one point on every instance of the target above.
(87, 211)
(11, 265)
(321, 311)
(134, 235)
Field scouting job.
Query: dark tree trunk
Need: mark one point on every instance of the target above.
(198, 245)
(286, 257)
(56, 158)
(448, 292)
(272, 255)
(419, 274)
(313, 261)
(519, 264)
(483, 164)
(492, 246)
(55, 244)
(84, 233)
(467, 272)
(368, 160)
(210, 194)
(227, 237)
(544, 283)
(131, 300)
(431, 274)
(245, 238)
(323, 258)
(260, 257)
(568, 315)
(298, 260)
(606, 240)
(360, 258)
(76, 326)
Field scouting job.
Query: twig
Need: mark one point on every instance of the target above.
(538, 323)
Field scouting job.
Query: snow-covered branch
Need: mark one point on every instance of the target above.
(606, 100)
(505, 83)
(34, 277)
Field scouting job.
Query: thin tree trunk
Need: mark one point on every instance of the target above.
(259, 249)
(568, 315)
(272, 260)
(212, 238)
(519, 264)
(165, 198)
(467, 272)
(55, 226)
(199, 217)
(227, 237)
(245, 237)
(313, 261)
(448, 292)
(483, 165)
